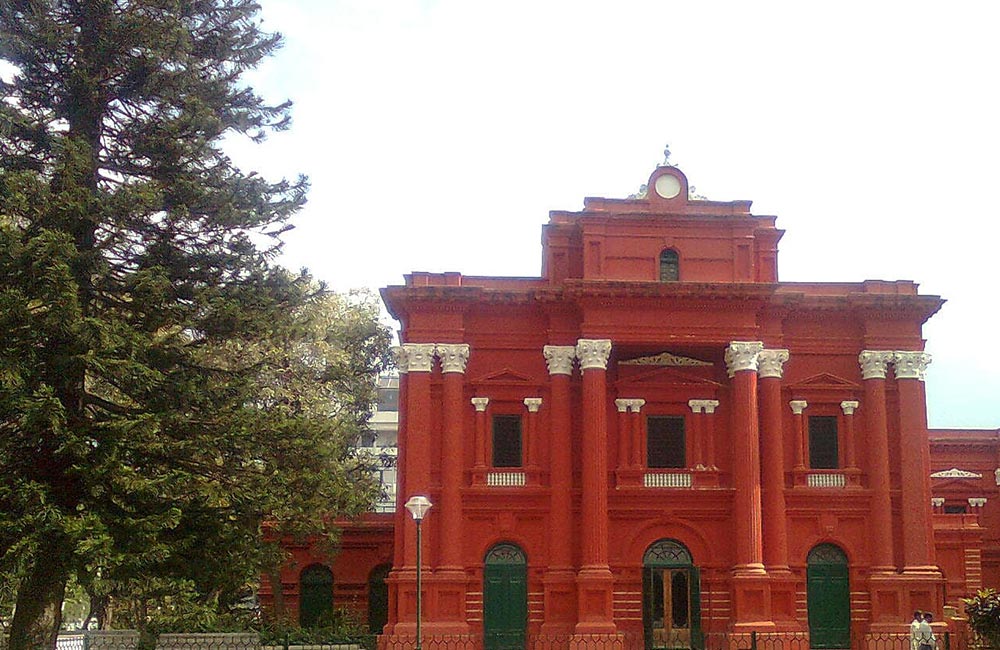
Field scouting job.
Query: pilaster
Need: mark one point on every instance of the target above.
(775, 525)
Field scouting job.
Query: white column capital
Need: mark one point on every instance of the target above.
(401, 358)
(703, 405)
(849, 406)
(910, 365)
(798, 405)
(874, 363)
(593, 353)
(622, 404)
(480, 403)
(937, 502)
(559, 359)
(742, 355)
(533, 404)
(772, 363)
(977, 502)
(419, 356)
(636, 404)
(453, 356)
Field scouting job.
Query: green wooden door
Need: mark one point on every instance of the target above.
(505, 598)
(671, 598)
(828, 594)
(315, 595)
(378, 599)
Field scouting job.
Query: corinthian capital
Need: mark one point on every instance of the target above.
(910, 365)
(772, 363)
(874, 363)
(559, 359)
(419, 356)
(593, 353)
(453, 356)
(742, 355)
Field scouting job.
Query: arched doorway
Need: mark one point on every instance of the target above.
(828, 596)
(505, 598)
(671, 597)
(378, 599)
(315, 595)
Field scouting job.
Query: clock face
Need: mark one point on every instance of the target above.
(668, 186)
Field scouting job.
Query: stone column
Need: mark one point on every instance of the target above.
(697, 459)
(708, 428)
(420, 361)
(531, 446)
(399, 523)
(624, 433)
(797, 406)
(638, 432)
(741, 362)
(453, 359)
(594, 580)
(848, 407)
(874, 366)
(918, 534)
(480, 404)
(560, 578)
(773, 460)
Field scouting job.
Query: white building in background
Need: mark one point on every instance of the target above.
(381, 440)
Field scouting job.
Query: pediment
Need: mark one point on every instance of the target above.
(506, 376)
(667, 377)
(824, 382)
(955, 473)
(664, 359)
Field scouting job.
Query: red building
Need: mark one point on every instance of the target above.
(657, 440)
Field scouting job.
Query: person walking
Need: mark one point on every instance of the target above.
(927, 641)
(918, 618)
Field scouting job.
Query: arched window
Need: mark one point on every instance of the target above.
(315, 595)
(670, 270)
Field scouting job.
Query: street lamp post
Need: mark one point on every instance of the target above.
(418, 506)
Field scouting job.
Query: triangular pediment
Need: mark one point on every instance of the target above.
(825, 381)
(667, 377)
(504, 376)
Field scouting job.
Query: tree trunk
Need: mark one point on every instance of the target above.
(40, 597)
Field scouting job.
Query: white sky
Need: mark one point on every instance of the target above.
(438, 135)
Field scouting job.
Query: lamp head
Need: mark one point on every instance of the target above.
(418, 506)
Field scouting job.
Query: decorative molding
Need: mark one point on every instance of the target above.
(593, 353)
(419, 356)
(559, 359)
(533, 404)
(798, 405)
(910, 365)
(664, 359)
(954, 472)
(401, 358)
(742, 355)
(480, 403)
(622, 404)
(636, 404)
(772, 363)
(977, 502)
(453, 356)
(874, 363)
(937, 502)
(849, 406)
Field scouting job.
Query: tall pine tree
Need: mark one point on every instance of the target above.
(148, 423)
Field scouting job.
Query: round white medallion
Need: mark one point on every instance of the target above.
(668, 186)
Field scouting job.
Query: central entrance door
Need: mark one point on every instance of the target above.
(828, 596)
(505, 598)
(671, 597)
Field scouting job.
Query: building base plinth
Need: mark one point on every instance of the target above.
(752, 603)
(594, 587)
(895, 596)
(409, 641)
(612, 641)
(560, 602)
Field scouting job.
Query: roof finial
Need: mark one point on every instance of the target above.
(666, 157)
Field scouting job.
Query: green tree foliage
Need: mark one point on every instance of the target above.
(983, 611)
(164, 388)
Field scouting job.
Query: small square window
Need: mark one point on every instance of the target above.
(506, 441)
(665, 443)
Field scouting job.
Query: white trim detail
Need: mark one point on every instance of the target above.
(667, 480)
(977, 502)
(954, 472)
(593, 353)
(772, 363)
(874, 363)
(849, 406)
(910, 365)
(826, 480)
(419, 356)
(480, 403)
(798, 405)
(559, 359)
(453, 356)
(533, 404)
(742, 355)
(505, 479)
